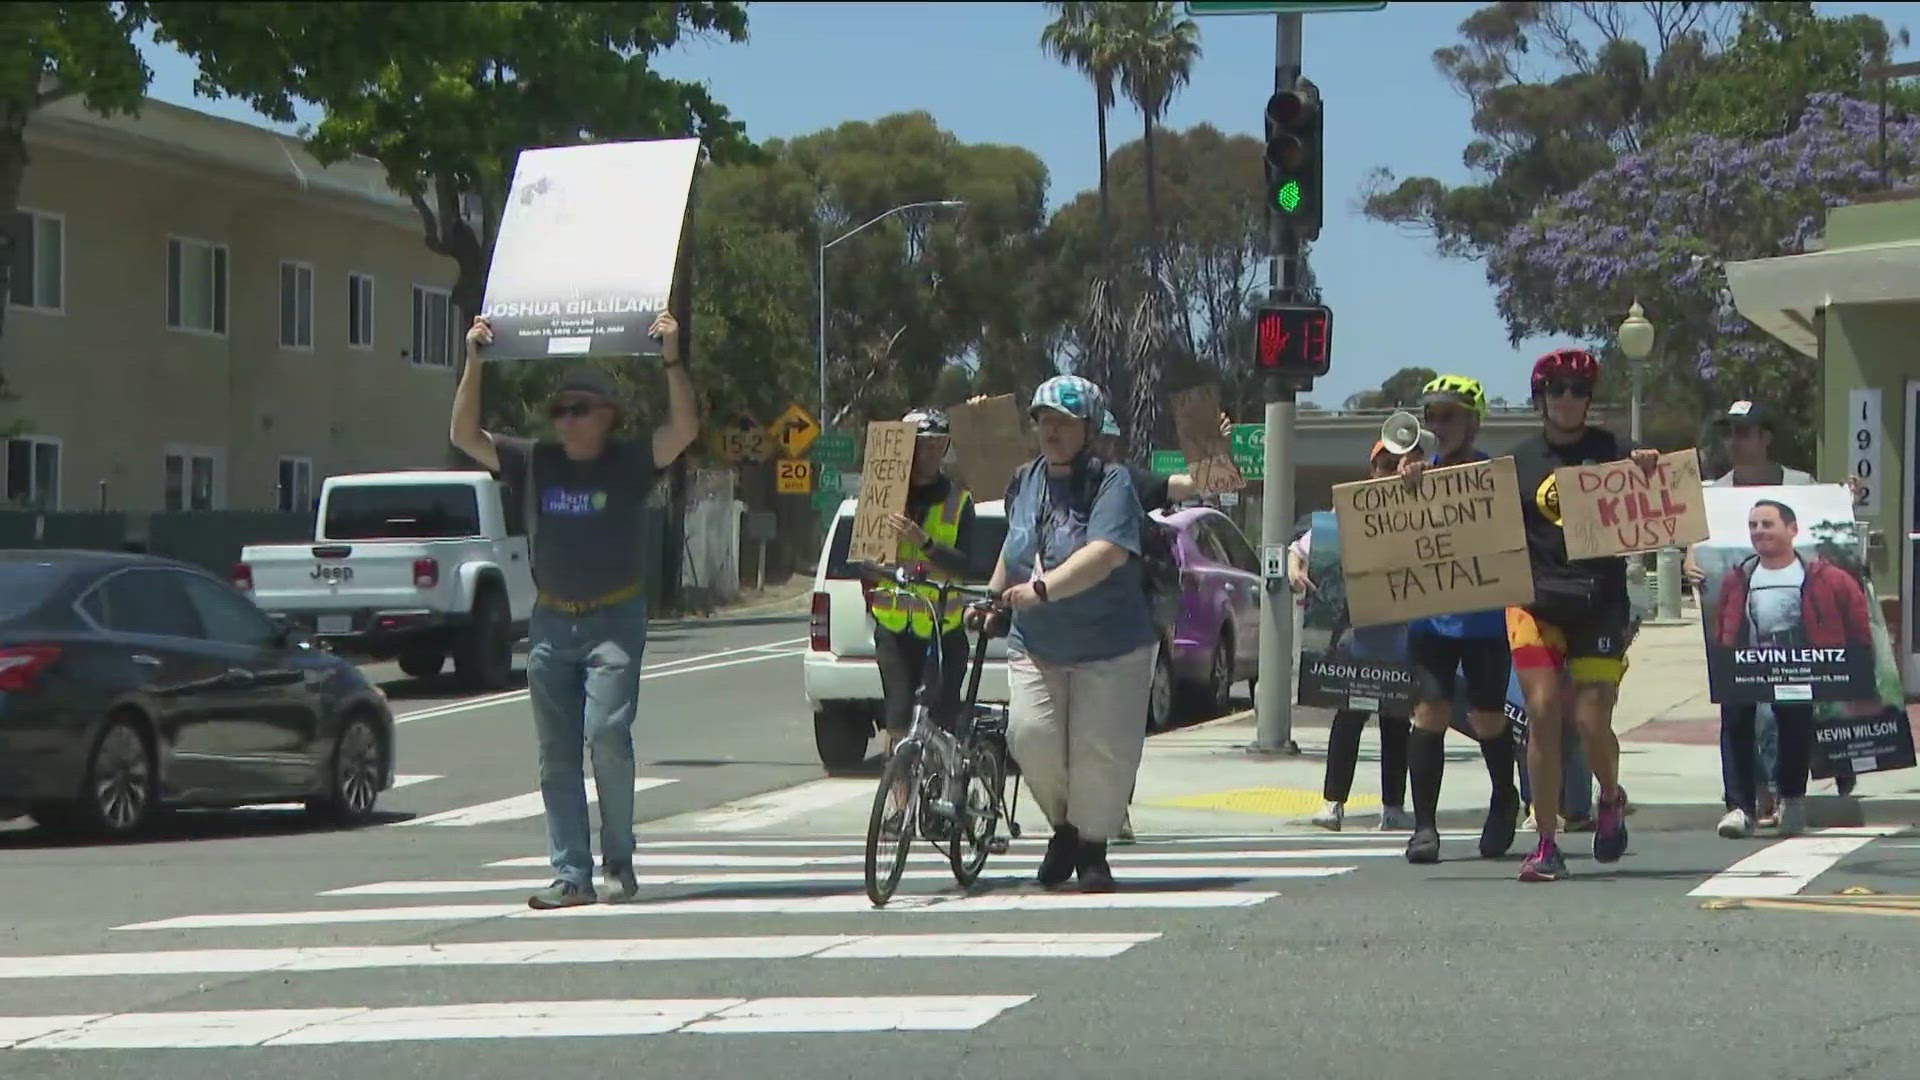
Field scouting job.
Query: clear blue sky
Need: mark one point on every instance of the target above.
(978, 69)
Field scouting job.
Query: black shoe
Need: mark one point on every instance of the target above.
(1424, 847)
(1062, 854)
(1095, 875)
(1503, 817)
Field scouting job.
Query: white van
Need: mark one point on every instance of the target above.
(842, 679)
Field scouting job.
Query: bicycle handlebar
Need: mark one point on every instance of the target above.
(903, 576)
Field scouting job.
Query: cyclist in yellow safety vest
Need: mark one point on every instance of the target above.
(937, 531)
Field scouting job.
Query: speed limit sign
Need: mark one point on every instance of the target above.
(793, 477)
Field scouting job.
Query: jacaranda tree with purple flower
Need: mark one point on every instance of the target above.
(1656, 226)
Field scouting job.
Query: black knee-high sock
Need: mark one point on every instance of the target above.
(1426, 761)
(1498, 753)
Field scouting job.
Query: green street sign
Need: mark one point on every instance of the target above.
(1197, 7)
(835, 448)
(1249, 442)
(1167, 462)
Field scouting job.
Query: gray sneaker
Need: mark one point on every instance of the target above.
(561, 894)
(619, 884)
(1793, 816)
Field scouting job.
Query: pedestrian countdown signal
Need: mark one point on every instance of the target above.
(1294, 340)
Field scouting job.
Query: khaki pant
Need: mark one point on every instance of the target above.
(1077, 731)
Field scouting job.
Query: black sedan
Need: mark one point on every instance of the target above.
(129, 684)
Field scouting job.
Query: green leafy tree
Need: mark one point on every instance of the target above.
(1399, 390)
(445, 96)
(50, 51)
(1558, 91)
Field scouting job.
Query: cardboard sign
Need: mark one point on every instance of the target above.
(1784, 608)
(884, 480)
(1196, 419)
(1449, 542)
(989, 444)
(1343, 666)
(1617, 509)
(588, 243)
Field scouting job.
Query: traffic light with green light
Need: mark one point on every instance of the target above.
(1294, 160)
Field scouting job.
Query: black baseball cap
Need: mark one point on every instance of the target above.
(587, 380)
(1745, 412)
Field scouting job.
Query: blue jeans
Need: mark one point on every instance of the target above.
(1767, 741)
(583, 674)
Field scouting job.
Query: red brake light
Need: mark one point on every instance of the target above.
(20, 667)
(820, 623)
(426, 573)
(243, 577)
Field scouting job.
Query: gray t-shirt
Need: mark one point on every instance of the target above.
(1112, 618)
(587, 536)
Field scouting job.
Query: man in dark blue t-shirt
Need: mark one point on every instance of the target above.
(1443, 648)
(589, 493)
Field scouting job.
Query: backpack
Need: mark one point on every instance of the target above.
(1159, 565)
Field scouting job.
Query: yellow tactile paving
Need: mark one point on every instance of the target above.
(1268, 801)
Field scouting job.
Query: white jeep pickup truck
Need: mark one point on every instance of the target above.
(416, 565)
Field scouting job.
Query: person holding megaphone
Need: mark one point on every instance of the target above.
(1447, 649)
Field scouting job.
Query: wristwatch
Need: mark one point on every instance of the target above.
(1040, 589)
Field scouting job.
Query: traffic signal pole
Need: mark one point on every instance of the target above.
(1273, 700)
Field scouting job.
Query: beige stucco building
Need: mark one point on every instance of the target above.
(1853, 307)
(202, 317)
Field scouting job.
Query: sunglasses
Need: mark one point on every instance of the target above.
(1567, 388)
(561, 409)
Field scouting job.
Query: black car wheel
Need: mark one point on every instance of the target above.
(117, 793)
(1220, 675)
(840, 736)
(354, 780)
(1160, 693)
(485, 660)
(422, 663)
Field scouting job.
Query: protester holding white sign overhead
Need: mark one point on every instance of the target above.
(587, 492)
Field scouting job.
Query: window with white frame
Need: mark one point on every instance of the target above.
(360, 311)
(39, 261)
(296, 485)
(33, 471)
(436, 327)
(192, 478)
(196, 286)
(296, 305)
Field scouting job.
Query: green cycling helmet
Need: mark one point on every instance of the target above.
(1456, 390)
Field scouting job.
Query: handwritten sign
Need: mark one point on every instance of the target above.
(1449, 542)
(883, 491)
(1617, 509)
(1196, 419)
(989, 443)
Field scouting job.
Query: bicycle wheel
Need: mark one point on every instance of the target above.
(983, 779)
(903, 768)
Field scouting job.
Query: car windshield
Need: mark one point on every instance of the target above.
(990, 533)
(24, 586)
(402, 512)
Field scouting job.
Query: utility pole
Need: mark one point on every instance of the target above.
(1273, 700)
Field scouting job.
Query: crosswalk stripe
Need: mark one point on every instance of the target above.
(500, 1020)
(1116, 858)
(1038, 842)
(791, 877)
(517, 807)
(579, 951)
(754, 905)
(777, 807)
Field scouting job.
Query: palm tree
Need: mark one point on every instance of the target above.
(1085, 35)
(1157, 47)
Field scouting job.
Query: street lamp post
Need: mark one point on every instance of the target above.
(941, 204)
(1636, 336)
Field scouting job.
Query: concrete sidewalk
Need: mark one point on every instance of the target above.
(1202, 779)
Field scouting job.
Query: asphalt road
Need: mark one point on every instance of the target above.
(244, 946)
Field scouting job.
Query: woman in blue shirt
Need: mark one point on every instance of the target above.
(1080, 651)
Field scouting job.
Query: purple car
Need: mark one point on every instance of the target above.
(1216, 636)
